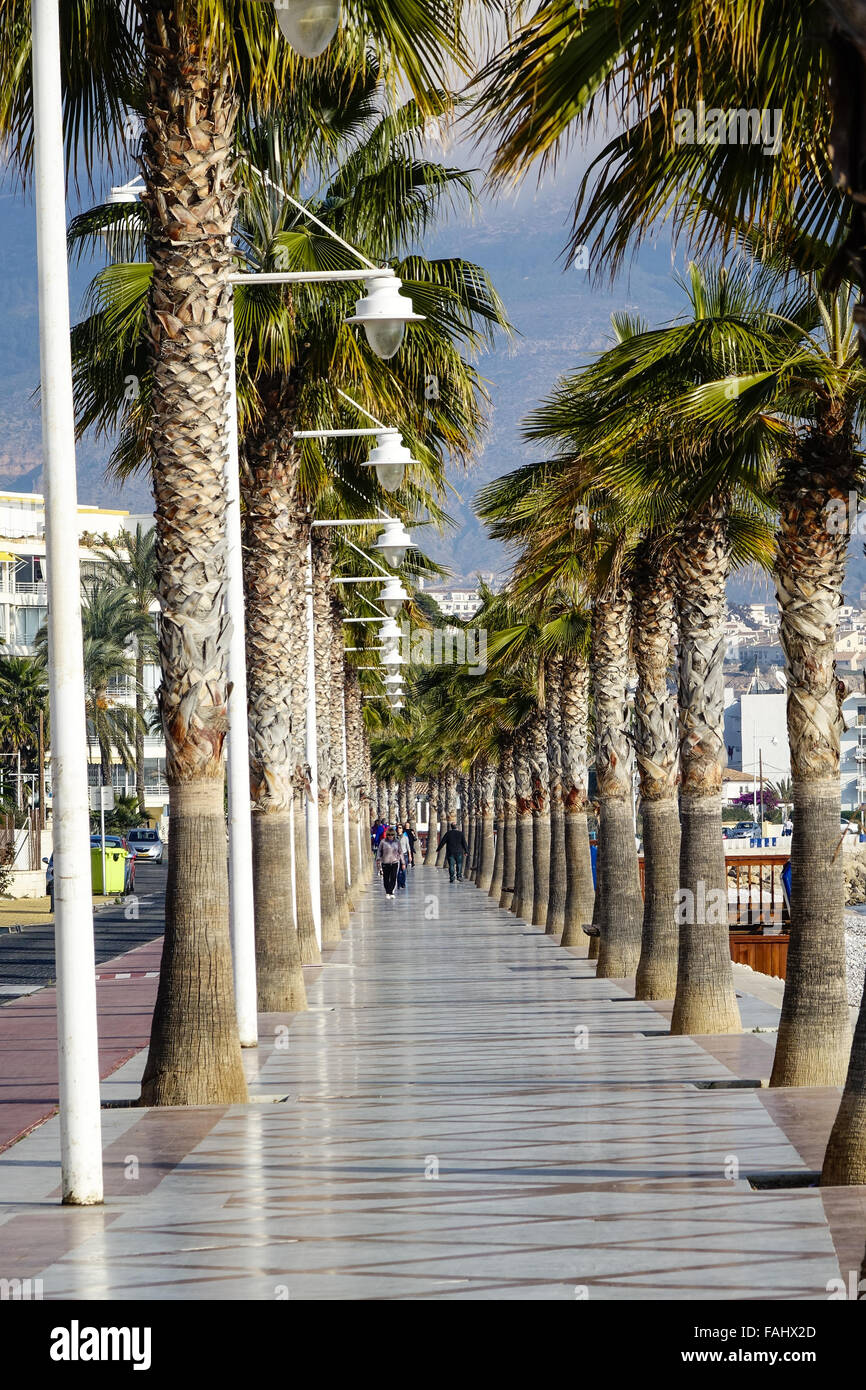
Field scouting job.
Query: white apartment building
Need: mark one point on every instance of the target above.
(852, 752)
(23, 610)
(457, 602)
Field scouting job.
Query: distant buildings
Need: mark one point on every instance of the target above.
(460, 600)
(23, 610)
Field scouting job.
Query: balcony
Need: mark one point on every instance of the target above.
(23, 587)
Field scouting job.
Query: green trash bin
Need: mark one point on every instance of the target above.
(115, 870)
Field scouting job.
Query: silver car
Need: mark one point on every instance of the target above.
(146, 844)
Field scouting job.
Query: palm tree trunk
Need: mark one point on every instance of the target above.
(195, 1055)
(354, 759)
(296, 542)
(486, 837)
(574, 735)
(540, 818)
(521, 903)
(494, 888)
(432, 820)
(429, 848)
(621, 904)
(558, 880)
(509, 826)
(322, 646)
(657, 747)
(338, 780)
(468, 818)
(267, 483)
(813, 1045)
(705, 1001)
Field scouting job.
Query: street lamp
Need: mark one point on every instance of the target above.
(384, 312)
(309, 25)
(393, 542)
(127, 192)
(390, 459)
(392, 597)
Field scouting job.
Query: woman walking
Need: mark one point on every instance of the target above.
(390, 858)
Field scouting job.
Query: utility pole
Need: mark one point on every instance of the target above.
(761, 782)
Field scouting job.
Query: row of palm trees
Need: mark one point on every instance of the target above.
(667, 459)
(689, 435)
(230, 117)
(764, 413)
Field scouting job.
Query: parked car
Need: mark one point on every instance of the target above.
(735, 832)
(146, 844)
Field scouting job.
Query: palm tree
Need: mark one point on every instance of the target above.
(189, 67)
(131, 561)
(111, 624)
(23, 698)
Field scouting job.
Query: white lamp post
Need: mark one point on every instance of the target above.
(309, 25)
(77, 1044)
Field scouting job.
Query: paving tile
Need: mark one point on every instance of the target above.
(470, 1115)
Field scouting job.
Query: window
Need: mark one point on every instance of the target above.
(28, 621)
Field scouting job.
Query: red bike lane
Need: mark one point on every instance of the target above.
(125, 997)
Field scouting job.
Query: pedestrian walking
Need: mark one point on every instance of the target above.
(403, 841)
(455, 848)
(380, 829)
(413, 840)
(389, 858)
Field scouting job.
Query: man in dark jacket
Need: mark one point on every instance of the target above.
(455, 848)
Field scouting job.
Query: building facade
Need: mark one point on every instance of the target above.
(23, 611)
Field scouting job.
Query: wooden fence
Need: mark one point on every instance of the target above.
(758, 917)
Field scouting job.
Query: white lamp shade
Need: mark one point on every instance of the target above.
(384, 313)
(393, 543)
(392, 597)
(393, 657)
(390, 459)
(389, 631)
(309, 25)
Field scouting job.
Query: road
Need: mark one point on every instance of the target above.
(27, 957)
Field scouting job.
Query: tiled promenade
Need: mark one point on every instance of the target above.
(469, 1114)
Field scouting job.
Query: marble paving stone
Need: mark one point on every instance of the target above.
(470, 1115)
